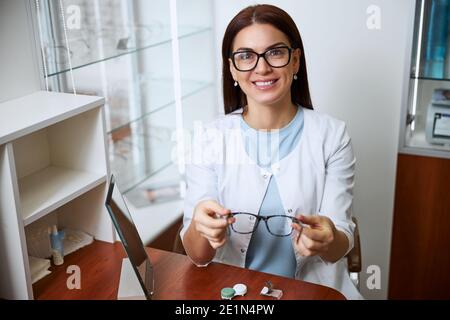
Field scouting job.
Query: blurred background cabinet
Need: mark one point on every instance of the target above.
(426, 113)
(153, 61)
(420, 256)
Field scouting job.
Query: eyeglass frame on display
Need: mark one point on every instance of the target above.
(265, 218)
(263, 55)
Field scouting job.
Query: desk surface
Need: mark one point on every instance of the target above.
(175, 278)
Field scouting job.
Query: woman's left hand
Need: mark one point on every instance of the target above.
(316, 236)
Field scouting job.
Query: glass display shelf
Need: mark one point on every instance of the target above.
(420, 127)
(142, 148)
(134, 92)
(198, 109)
(430, 78)
(95, 47)
(158, 94)
(425, 127)
(122, 50)
(163, 186)
(418, 140)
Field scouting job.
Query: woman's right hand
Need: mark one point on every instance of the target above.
(211, 221)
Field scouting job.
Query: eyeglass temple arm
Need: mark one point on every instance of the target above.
(295, 220)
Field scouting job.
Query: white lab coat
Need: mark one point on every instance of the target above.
(317, 177)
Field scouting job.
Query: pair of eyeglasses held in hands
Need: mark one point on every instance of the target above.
(277, 225)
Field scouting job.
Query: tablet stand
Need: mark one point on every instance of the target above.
(129, 286)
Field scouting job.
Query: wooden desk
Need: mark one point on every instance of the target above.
(176, 278)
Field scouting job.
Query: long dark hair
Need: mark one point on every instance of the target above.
(233, 97)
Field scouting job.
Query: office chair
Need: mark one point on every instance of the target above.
(353, 257)
(178, 244)
(354, 263)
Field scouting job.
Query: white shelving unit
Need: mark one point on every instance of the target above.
(53, 167)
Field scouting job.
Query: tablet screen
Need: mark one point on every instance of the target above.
(130, 238)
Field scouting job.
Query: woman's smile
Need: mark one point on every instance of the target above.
(265, 85)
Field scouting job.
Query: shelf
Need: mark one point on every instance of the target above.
(415, 142)
(152, 219)
(157, 95)
(145, 146)
(430, 79)
(418, 140)
(168, 174)
(132, 148)
(50, 188)
(39, 110)
(149, 175)
(95, 48)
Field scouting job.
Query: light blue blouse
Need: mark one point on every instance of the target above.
(266, 252)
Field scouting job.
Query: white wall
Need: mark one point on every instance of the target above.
(356, 75)
(18, 70)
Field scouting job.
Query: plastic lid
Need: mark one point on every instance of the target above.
(240, 289)
(227, 293)
(265, 290)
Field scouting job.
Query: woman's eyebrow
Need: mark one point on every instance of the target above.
(269, 47)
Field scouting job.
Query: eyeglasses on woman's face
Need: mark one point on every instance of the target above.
(247, 60)
(277, 225)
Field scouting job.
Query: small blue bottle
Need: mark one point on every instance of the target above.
(56, 240)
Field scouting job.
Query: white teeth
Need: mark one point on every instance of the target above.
(266, 83)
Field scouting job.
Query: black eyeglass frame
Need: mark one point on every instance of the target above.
(263, 55)
(265, 218)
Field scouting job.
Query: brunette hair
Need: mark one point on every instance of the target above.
(233, 97)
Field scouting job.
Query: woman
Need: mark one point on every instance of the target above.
(284, 206)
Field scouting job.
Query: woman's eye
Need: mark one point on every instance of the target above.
(276, 52)
(245, 56)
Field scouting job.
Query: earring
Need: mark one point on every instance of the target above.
(295, 77)
(236, 83)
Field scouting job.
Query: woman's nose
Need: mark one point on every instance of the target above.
(262, 67)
